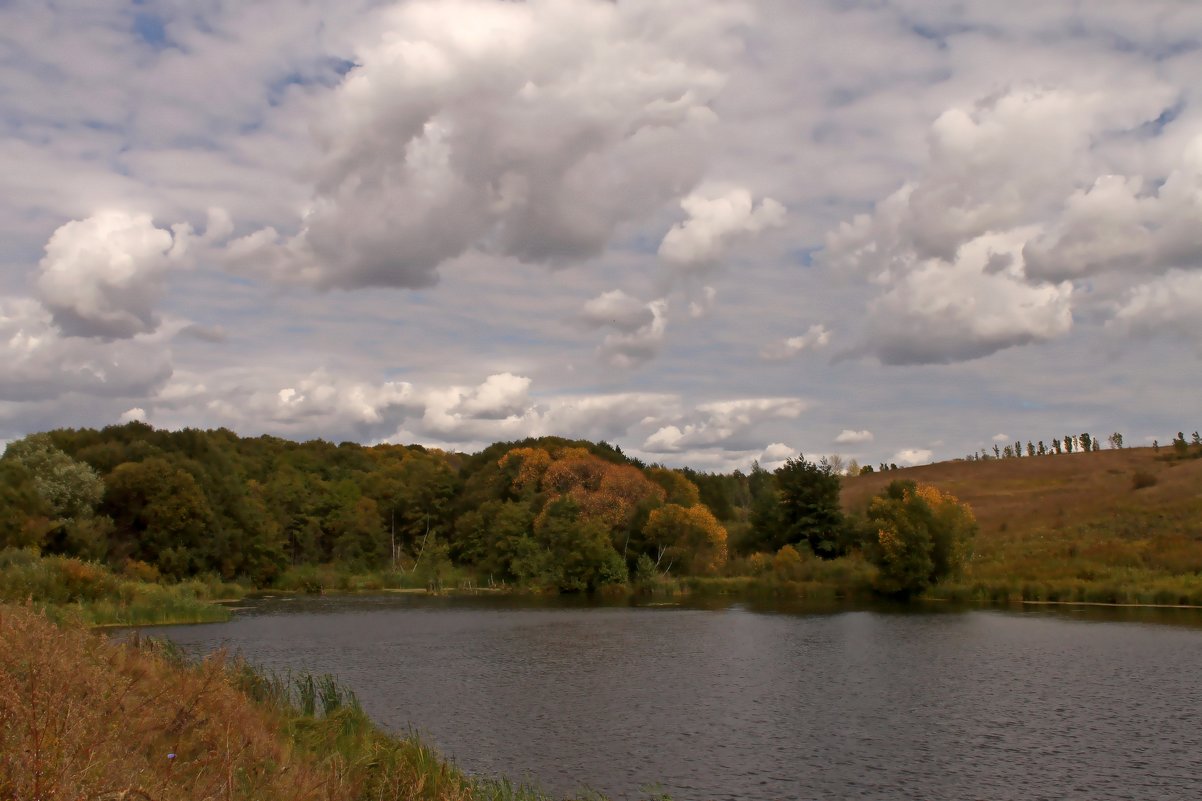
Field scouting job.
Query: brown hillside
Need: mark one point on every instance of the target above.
(1057, 524)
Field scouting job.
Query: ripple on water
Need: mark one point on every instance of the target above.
(735, 704)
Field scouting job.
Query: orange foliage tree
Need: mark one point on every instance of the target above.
(688, 536)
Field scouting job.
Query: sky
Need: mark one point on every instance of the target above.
(708, 231)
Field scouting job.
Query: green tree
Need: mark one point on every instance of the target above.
(1116, 441)
(25, 516)
(922, 537)
(71, 488)
(1086, 442)
(160, 515)
(578, 555)
(809, 506)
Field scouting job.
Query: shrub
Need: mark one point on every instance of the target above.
(1141, 479)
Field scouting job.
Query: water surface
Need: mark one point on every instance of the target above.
(742, 703)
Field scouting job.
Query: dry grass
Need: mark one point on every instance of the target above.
(83, 718)
(1074, 526)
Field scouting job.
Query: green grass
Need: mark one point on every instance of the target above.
(66, 588)
(341, 578)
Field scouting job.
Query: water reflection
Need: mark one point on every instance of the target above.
(764, 701)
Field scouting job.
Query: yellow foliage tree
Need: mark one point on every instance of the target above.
(532, 464)
(688, 536)
(923, 536)
(787, 563)
(679, 489)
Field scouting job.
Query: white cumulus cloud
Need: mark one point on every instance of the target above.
(716, 218)
(850, 436)
(913, 456)
(531, 130)
(103, 275)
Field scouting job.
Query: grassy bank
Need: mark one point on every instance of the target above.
(1116, 526)
(72, 589)
(82, 717)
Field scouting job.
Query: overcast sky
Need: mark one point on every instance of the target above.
(710, 231)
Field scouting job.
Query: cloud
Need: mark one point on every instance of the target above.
(723, 424)
(703, 305)
(618, 310)
(716, 218)
(851, 437)
(1009, 161)
(913, 456)
(137, 414)
(1002, 438)
(203, 333)
(628, 348)
(1168, 305)
(1015, 201)
(1118, 224)
(776, 454)
(530, 130)
(500, 396)
(40, 364)
(816, 337)
(941, 312)
(103, 275)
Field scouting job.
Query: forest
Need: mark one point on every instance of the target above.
(547, 513)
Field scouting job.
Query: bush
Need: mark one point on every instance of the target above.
(923, 536)
(1142, 479)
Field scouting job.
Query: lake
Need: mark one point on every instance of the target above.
(733, 701)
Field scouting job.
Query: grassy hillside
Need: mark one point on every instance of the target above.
(1114, 526)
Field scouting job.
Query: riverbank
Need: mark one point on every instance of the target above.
(84, 717)
(67, 589)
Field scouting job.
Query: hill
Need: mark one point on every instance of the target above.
(1114, 526)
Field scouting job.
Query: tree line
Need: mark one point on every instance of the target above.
(571, 515)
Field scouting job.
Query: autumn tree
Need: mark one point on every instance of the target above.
(922, 536)
(689, 537)
(677, 487)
